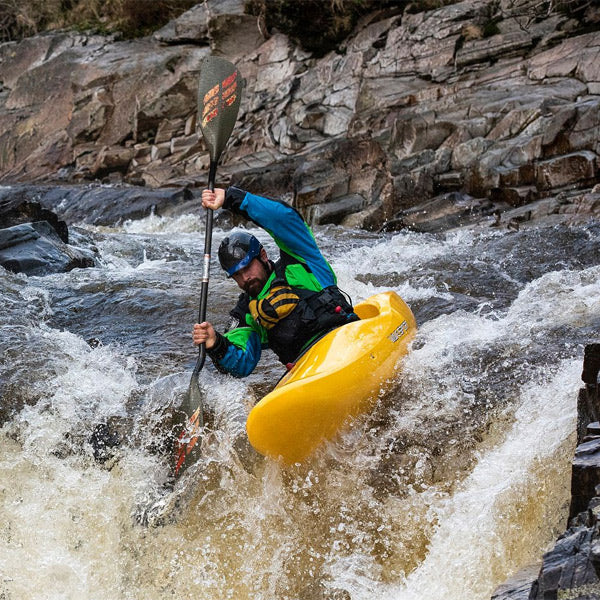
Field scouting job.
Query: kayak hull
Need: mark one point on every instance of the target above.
(339, 377)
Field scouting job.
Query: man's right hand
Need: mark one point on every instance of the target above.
(204, 333)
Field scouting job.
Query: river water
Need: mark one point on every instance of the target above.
(459, 477)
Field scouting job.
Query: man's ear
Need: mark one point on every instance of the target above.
(263, 255)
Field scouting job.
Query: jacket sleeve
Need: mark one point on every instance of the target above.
(285, 225)
(237, 351)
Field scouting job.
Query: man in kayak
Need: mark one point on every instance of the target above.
(286, 305)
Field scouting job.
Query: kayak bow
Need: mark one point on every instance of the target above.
(339, 377)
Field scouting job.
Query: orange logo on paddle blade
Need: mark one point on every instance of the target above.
(218, 97)
(188, 438)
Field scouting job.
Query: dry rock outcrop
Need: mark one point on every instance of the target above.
(470, 110)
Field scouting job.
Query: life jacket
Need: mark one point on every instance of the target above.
(311, 314)
(315, 314)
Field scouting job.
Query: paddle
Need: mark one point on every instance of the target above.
(219, 95)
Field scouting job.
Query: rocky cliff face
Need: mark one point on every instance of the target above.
(424, 120)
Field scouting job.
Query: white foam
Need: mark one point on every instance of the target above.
(66, 529)
(481, 533)
(188, 223)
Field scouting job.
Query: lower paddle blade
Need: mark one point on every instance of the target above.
(187, 449)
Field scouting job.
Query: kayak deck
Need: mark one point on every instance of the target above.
(339, 377)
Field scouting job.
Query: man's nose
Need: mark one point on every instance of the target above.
(242, 276)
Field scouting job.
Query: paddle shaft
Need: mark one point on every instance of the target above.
(212, 173)
(219, 95)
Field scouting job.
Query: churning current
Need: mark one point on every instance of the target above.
(457, 479)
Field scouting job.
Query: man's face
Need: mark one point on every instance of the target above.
(252, 277)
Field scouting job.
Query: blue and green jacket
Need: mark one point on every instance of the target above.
(302, 267)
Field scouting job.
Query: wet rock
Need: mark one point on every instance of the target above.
(36, 249)
(571, 569)
(586, 474)
(518, 587)
(104, 205)
(18, 206)
(444, 212)
(572, 207)
(591, 365)
(104, 440)
(34, 240)
(568, 568)
(514, 196)
(336, 211)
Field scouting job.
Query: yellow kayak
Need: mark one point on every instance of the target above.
(339, 377)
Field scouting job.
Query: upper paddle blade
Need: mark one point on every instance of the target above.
(219, 96)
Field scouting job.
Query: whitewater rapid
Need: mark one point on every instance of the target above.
(459, 478)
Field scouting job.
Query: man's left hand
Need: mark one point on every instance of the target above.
(213, 200)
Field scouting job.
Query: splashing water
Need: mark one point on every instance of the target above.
(458, 478)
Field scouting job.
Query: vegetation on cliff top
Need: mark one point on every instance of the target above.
(132, 18)
(319, 26)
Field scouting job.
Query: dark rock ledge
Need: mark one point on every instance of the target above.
(35, 240)
(571, 570)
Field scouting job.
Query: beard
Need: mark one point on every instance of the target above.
(254, 286)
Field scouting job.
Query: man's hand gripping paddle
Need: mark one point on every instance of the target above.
(219, 96)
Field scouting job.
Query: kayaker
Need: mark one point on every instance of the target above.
(285, 305)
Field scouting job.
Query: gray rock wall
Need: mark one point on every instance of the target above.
(471, 105)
